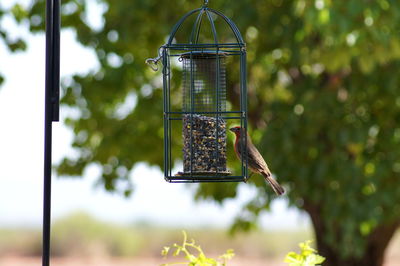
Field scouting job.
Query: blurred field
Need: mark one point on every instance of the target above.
(81, 240)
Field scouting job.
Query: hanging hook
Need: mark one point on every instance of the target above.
(153, 62)
(205, 2)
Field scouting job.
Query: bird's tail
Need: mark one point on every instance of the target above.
(274, 184)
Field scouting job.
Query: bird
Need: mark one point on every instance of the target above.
(255, 161)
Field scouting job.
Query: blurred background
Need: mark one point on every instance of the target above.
(324, 109)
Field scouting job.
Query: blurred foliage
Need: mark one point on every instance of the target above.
(307, 256)
(82, 235)
(189, 250)
(20, 241)
(12, 41)
(324, 105)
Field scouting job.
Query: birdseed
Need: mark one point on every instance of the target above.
(200, 138)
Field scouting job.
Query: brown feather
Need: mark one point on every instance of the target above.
(255, 161)
(279, 190)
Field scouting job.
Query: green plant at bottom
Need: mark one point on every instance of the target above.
(187, 248)
(307, 257)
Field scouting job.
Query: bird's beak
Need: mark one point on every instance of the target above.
(232, 129)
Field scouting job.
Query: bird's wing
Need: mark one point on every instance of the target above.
(255, 159)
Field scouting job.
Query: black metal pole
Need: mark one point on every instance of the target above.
(52, 92)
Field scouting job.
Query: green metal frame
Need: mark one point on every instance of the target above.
(170, 50)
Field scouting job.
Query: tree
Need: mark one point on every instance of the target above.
(13, 42)
(323, 80)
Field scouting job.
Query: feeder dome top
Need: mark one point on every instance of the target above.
(200, 15)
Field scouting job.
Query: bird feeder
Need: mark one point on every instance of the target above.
(195, 74)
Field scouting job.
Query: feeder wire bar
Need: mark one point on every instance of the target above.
(244, 107)
(194, 35)
(166, 113)
(191, 114)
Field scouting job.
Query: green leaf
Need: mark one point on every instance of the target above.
(229, 254)
(293, 257)
(192, 258)
(196, 260)
(306, 249)
(307, 256)
(18, 45)
(164, 251)
(19, 12)
(314, 259)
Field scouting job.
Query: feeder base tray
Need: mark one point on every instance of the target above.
(223, 173)
(205, 177)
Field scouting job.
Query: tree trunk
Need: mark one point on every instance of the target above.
(377, 242)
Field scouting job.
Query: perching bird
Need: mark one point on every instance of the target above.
(255, 161)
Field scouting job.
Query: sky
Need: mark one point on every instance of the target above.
(21, 158)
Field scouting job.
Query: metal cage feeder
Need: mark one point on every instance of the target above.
(203, 116)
